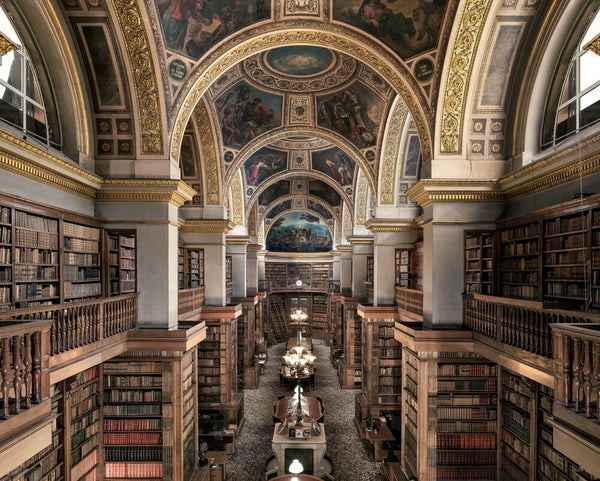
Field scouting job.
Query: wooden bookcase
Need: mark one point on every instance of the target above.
(416, 267)
(463, 410)
(228, 278)
(517, 427)
(479, 262)
(195, 267)
(410, 408)
(181, 268)
(82, 439)
(121, 262)
(189, 412)
(350, 367)
(402, 267)
(137, 423)
(319, 317)
(82, 267)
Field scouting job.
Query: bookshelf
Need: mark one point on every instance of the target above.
(81, 267)
(82, 403)
(195, 267)
(5, 258)
(121, 262)
(464, 409)
(402, 267)
(517, 403)
(410, 408)
(180, 268)
(133, 424)
(228, 278)
(36, 260)
(551, 464)
(189, 411)
(284, 274)
(320, 312)
(416, 267)
(479, 262)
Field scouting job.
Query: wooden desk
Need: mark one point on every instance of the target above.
(316, 443)
(377, 438)
(393, 471)
(286, 376)
(314, 409)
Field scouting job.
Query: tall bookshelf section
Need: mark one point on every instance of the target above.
(36, 260)
(410, 408)
(320, 313)
(350, 368)
(595, 261)
(520, 261)
(189, 412)
(416, 267)
(122, 262)
(479, 262)
(82, 267)
(137, 421)
(463, 409)
(228, 278)
(402, 268)
(195, 267)
(566, 247)
(6, 258)
(517, 434)
(181, 268)
(551, 464)
(83, 440)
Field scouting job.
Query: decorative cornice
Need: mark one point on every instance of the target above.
(359, 240)
(221, 226)
(254, 248)
(175, 192)
(593, 45)
(431, 191)
(392, 225)
(238, 240)
(6, 45)
(144, 75)
(465, 46)
(344, 248)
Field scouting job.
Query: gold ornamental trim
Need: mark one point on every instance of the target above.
(362, 192)
(427, 192)
(144, 76)
(360, 240)
(391, 151)
(175, 192)
(253, 247)
(344, 248)
(209, 156)
(238, 240)
(6, 45)
(26, 168)
(392, 225)
(593, 45)
(465, 46)
(237, 199)
(220, 226)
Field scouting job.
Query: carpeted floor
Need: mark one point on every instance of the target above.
(352, 458)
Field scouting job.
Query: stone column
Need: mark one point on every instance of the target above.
(388, 235)
(210, 235)
(262, 269)
(252, 267)
(150, 207)
(236, 248)
(362, 247)
(345, 268)
(337, 263)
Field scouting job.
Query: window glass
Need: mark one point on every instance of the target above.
(33, 89)
(570, 87)
(10, 70)
(590, 70)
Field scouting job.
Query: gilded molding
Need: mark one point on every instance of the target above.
(346, 222)
(221, 226)
(391, 152)
(305, 32)
(429, 191)
(175, 192)
(237, 199)
(144, 75)
(392, 225)
(362, 192)
(344, 248)
(593, 45)
(208, 156)
(238, 240)
(6, 45)
(26, 168)
(461, 64)
(360, 240)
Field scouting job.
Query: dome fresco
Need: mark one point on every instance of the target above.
(299, 232)
(300, 60)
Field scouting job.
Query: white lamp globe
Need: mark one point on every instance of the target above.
(296, 467)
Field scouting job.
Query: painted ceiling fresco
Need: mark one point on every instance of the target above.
(274, 191)
(300, 60)
(409, 27)
(263, 164)
(299, 232)
(320, 189)
(319, 209)
(279, 208)
(336, 164)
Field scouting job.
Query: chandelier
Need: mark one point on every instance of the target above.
(298, 316)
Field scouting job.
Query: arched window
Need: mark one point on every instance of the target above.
(579, 99)
(21, 103)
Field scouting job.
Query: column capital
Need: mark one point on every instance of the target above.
(392, 225)
(219, 226)
(432, 191)
(253, 248)
(344, 248)
(360, 240)
(174, 192)
(237, 240)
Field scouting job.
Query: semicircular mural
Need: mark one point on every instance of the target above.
(300, 60)
(299, 232)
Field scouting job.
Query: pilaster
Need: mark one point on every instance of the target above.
(345, 268)
(252, 267)
(362, 247)
(236, 248)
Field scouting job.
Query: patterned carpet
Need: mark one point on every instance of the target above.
(352, 458)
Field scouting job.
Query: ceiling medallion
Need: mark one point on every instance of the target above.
(300, 69)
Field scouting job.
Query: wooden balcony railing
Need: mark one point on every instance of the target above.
(21, 354)
(77, 324)
(190, 301)
(518, 323)
(410, 301)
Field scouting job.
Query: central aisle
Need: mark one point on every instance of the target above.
(351, 459)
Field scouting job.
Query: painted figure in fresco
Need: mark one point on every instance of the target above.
(256, 114)
(333, 170)
(175, 21)
(375, 15)
(261, 166)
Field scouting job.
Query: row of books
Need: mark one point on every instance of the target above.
(569, 257)
(82, 290)
(465, 458)
(466, 440)
(466, 413)
(23, 219)
(132, 438)
(132, 381)
(121, 395)
(35, 291)
(81, 259)
(521, 248)
(5, 215)
(84, 406)
(466, 473)
(78, 273)
(32, 238)
(80, 394)
(467, 400)
(133, 410)
(133, 366)
(133, 453)
(150, 424)
(488, 385)
(78, 230)
(84, 465)
(36, 256)
(566, 224)
(572, 241)
(467, 426)
(25, 272)
(81, 245)
(5, 235)
(467, 369)
(133, 470)
(515, 233)
(5, 255)
(5, 294)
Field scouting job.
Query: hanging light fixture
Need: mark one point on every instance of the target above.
(296, 467)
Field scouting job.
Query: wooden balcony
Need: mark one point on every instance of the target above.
(190, 303)
(576, 413)
(410, 304)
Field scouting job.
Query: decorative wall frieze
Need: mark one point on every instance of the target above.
(208, 155)
(144, 75)
(362, 193)
(174, 192)
(391, 152)
(458, 78)
(392, 225)
(360, 240)
(237, 200)
(220, 226)
(430, 191)
(238, 240)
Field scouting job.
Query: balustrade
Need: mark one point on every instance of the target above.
(190, 300)
(518, 323)
(79, 324)
(410, 301)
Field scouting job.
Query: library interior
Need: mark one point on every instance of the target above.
(352, 240)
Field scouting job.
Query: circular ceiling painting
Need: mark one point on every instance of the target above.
(300, 60)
